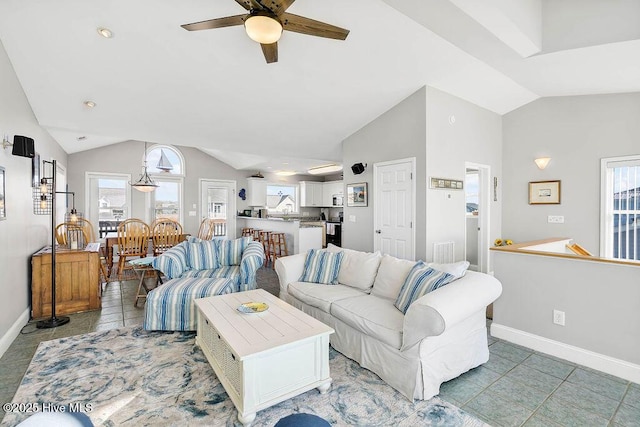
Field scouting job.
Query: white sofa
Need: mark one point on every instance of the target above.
(442, 335)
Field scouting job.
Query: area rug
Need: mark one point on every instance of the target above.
(130, 376)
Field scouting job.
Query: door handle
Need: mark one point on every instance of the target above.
(379, 231)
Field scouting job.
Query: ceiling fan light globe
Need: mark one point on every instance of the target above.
(263, 29)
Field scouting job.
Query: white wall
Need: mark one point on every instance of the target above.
(22, 233)
(576, 132)
(476, 136)
(397, 134)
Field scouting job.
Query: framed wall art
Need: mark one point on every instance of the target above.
(544, 193)
(3, 207)
(357, 194)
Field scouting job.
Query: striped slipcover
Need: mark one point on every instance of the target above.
(171, 307)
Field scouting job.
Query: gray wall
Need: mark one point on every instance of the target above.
(601, 302)
(576, 132)
(475, 136)
(125, 157)
(399, 133)
(22, 233)
(419, 127)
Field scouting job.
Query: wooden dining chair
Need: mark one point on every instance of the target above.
(90, 237)
(165, 234)
(67, 232)
(205, 232)
(133, 241)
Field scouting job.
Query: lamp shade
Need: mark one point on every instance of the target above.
(263, 28)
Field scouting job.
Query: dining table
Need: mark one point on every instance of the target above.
(111, 239)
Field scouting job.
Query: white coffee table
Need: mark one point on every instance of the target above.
(263, 358)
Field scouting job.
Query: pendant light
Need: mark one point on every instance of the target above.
(145, 183)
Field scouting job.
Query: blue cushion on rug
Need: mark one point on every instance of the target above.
(302, 420)
(58, 419)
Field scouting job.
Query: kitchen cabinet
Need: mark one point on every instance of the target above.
(311, 194)
(330, 189)
(77, 281)
(257, 192)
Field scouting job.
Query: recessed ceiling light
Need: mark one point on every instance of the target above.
(285, 163)
(286, 173)
(105, 32)
(89, 104)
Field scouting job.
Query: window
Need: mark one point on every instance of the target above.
(112, 199)
(166, 167)
(282, 198)
(620, 234)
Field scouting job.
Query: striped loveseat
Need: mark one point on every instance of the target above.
(197, 269)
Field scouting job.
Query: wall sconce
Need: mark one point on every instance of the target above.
(5, 142)
(358, 168)
(542, 162)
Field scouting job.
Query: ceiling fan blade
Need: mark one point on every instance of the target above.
(302, 25)
(270, 52)
(228, 21)
(278, 6)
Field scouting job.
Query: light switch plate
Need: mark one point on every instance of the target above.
(555, 219)
(192, 213)
(352, 218)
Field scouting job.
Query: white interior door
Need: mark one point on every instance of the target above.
(218, 201)
(394, 208)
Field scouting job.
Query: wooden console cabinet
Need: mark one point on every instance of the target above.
(77, 281)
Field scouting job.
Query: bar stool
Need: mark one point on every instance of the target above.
(256, 234)
(277, 247)
(247, 232)
(264, 237)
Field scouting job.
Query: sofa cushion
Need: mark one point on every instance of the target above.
(390, 277)
(230, 251)
(456, 269)
(421, 280)
(358, 269)
(322, 266)
(319, 296)
(203, 255)
(373, 316)
(173, 262)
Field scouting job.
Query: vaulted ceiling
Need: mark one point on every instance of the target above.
(153, 81)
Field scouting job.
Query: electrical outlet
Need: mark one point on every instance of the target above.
(352, 218)
(558, 317)
(555, 219)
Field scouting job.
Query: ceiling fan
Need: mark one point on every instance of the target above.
(265, 22)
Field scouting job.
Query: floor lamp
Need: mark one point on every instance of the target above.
(44, 203)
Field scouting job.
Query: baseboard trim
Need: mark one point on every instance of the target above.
(14, 331)
(610, 365)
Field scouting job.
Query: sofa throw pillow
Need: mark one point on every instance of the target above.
(390, 277)
(421, 280)
(457, 269)
(322, 266)
(358, 269)
(203, 255)
(173, 262)
(230, 251)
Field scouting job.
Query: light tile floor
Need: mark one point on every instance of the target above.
(517, 387)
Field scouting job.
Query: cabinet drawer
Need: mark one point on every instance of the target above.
(228, 362)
